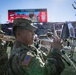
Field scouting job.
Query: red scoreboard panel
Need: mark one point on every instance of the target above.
(35, 15)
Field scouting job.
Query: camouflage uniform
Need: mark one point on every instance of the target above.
(3, 55)
(27, 60)
(69, 68)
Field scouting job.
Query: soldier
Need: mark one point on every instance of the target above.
(44, 46)
(32, 17)
(44, 43)
(51, 38)
(50, 35)
(3, 55)
(25, 59)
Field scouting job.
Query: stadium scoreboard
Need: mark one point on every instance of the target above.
(35, 15)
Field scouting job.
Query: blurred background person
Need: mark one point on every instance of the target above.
(3, 54)
(32, 17)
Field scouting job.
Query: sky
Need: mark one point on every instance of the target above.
(58, 10)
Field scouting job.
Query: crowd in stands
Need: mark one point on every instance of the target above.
(42, 27)
(7, 28)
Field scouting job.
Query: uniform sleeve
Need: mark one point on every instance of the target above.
(54, 63)
(33, 65)
(16, 67)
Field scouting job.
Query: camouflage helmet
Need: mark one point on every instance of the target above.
(43, 37)
(49, 34)
(27, 24)
(49, 30)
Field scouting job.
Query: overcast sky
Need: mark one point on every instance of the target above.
(58, 10)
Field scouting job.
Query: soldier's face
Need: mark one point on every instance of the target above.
(27, 37)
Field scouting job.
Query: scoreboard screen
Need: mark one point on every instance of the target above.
(35, 15)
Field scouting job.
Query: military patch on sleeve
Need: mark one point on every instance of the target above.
(27, 60)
